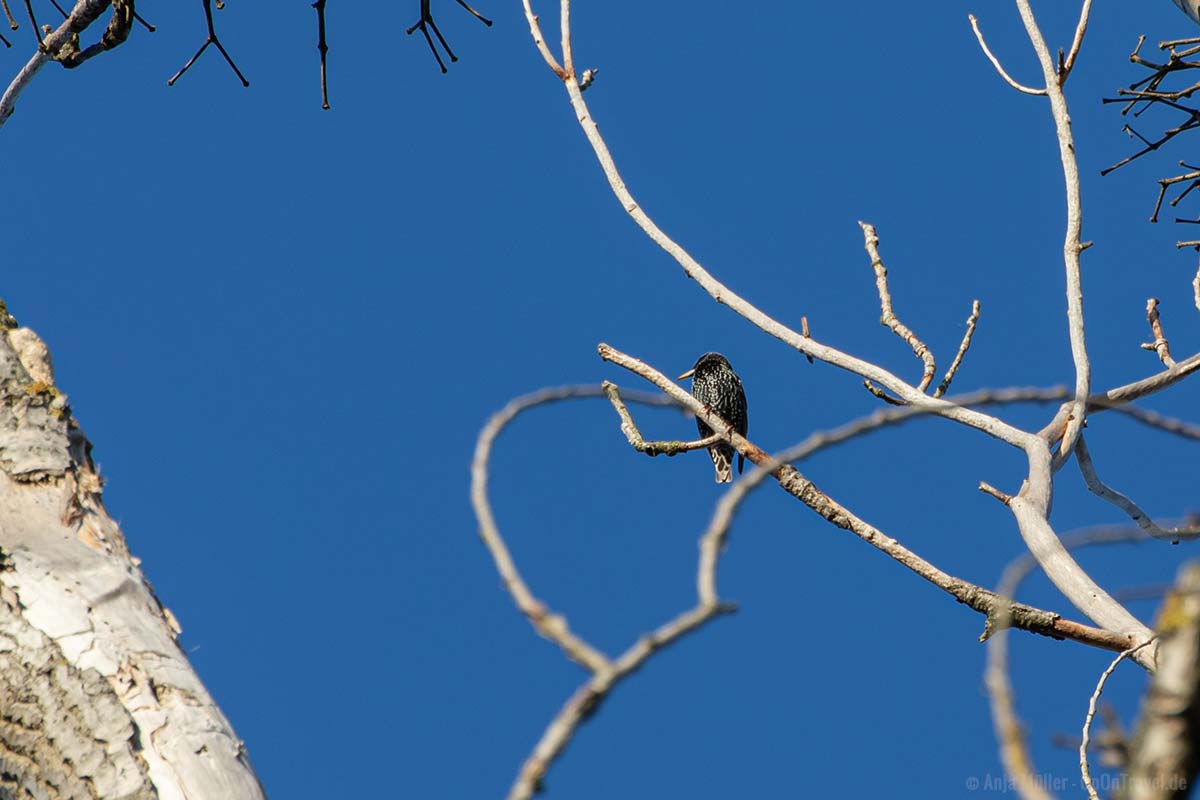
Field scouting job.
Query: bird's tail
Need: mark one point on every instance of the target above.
(723, 462)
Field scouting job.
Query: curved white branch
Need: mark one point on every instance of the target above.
(1020, 87)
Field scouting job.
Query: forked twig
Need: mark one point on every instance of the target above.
(212, 39)
(637, 442)
(888, 316)
(425, 24)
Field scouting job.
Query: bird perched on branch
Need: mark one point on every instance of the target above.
(715, 384)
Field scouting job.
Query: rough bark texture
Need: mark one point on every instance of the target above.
(1165, 755)
(97, 699)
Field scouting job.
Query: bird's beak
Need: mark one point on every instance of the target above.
(687, 374)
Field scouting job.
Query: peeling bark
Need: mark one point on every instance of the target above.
(97, 699)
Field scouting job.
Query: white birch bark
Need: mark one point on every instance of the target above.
(97, 699)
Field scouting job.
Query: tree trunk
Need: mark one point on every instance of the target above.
(97, 699)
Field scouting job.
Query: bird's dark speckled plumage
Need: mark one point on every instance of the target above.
(715, 384)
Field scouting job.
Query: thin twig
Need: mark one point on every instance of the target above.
(1064, 69)
(1143, 520)
(987, 488)
(996, 62)
(587, 698)
(539, 41)
(962, 351)
(213, 40)
(881, 394)
(323, 48)
(1084, 770)
(425, 24)
(12, 23)
(804, 327)
(888, 316)
(37, 31)
(1153, 419)
(657, 448)
(565, 26)
(1160, 344)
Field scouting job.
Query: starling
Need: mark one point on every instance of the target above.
(715, 384)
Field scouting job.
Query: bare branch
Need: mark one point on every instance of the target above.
(1119, 396)
(962, 351)
(1010, 734)
(724, 295)
(800, 487)
(323, 49)
(996, 62)
(888, 317)
(630, 429)
(881, 394)
(535, 30)
(565, 25)
(1122, 502)
(1153, 419)
(62, 44)
(212, 39)
(587, 698)
(1160, 344)
(1084, 770)
(552, 626)
(1031, 506)
(1064, 69)
(987, 488)
(1072, 244)
(426, 24)
(606, 674)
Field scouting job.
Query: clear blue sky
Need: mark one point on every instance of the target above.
(282, 328)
